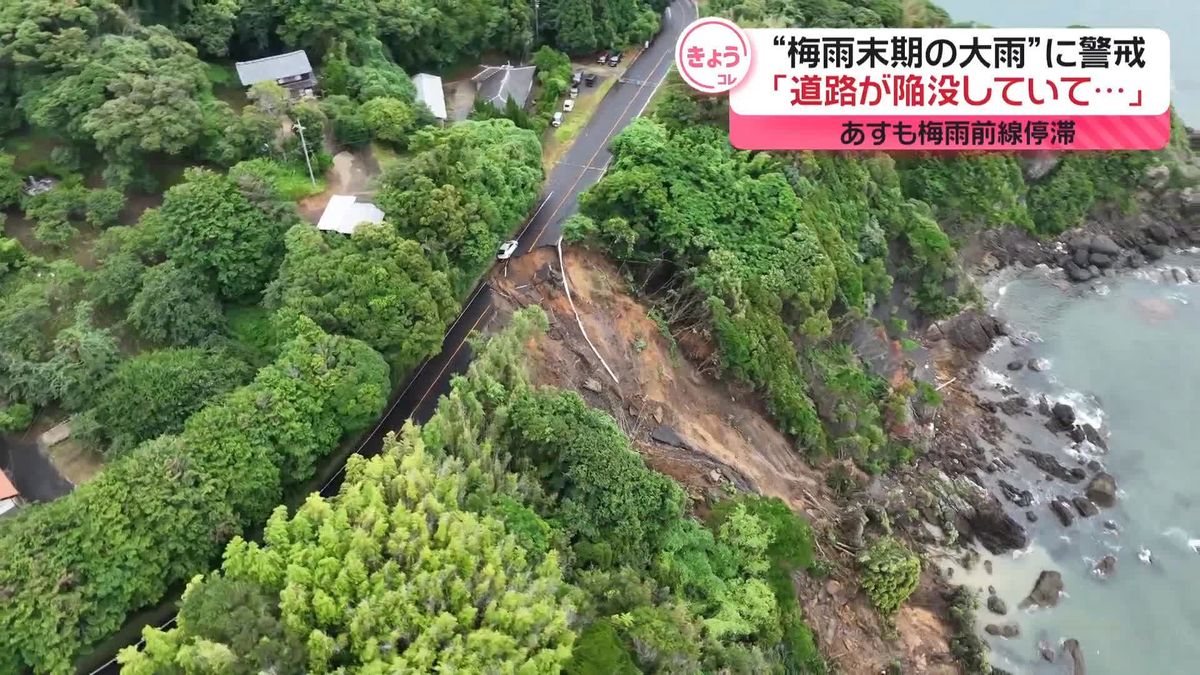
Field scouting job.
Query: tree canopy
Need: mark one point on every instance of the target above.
(209, 223)
(394, 575)
(154, 392)
(375, 286)
(75, 568)
(462, 191)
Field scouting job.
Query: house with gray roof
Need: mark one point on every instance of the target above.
(498, 84)
(292, 71)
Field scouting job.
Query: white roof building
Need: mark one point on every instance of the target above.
(429, 92)
(345, 213)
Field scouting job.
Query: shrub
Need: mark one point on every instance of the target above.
(889, 573)
(16, 417)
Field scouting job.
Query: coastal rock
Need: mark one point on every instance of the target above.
(1031, 516)
(1064, 413)
(1158, 177)
(1102, 490)
(1153, 251)
(1022, 498)
(1136, 260)
(1077, 434)
(1013, 406)
(1077, 272)
(1038, 365)
(1105, 568)
(1193, 274)
(1050, 464)
(1092, 435)
(1179, 275)
(1081, 255)
(1104, 245)
(1047, 652)
(1008, 630)
(1160, 233)
(1111, 525)
(1031, 256)
(1038, 166)
(1062, 508)
(973, 330)
(1015, 365)
(994, 529)
(1071, 647)
(1190, 198)
(996, 605)
(1045, 590)
(987, 566)
(1101, 260)
(1084, 506)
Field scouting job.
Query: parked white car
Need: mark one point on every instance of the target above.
(568, 105)
(506, 249)
(556, 121)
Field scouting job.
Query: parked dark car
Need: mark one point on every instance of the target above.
(603, 58)
(614, 59)
(590, 80)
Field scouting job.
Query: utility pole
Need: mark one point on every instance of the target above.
(300, 127)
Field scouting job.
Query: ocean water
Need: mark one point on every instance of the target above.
(1126, 356)
(1180, 18)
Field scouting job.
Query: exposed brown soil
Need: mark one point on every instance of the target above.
(720, 440)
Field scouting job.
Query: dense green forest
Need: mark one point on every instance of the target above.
(516, 531)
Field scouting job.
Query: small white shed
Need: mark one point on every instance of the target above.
(429, 92)
(344, 213)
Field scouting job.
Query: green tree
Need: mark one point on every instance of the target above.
(462, 190)
(217, 226)
(10, 182)
(390, 120)
(174, 307)
(614, 507)
(135, 93)
(889, 573)
(78, 566)
(103, 206)
(317, 25)
(396, 559)
(154, 392)
(349, 127)
(375, 286)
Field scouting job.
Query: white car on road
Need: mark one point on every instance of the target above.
(506, 250)
(568, 105)
(556, 121)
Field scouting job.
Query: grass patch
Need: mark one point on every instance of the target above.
(290, 181)
(585, 107)
(385, 157)
(218, 74)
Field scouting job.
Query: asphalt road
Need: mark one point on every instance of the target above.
(582, 165)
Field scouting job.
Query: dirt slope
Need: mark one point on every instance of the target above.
(711, 436)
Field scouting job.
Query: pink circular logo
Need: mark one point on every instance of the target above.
(713, 55)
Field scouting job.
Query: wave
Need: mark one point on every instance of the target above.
(1179, 535)
(995, 379)
(1087, 408)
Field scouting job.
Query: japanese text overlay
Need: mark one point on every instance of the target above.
(935, 89)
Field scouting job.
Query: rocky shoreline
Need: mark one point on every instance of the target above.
(987, 477)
